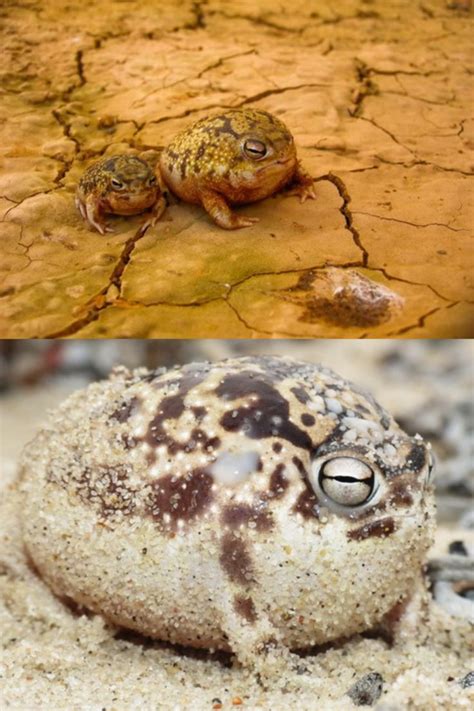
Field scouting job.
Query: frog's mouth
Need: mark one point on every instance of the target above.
(275, 164)
(131, 202)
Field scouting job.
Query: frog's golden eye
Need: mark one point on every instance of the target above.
(255, 149)
(117, 184)
(346, 481)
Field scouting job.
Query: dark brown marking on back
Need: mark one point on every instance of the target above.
(278, 482)
(307, 503)
(226, 126)
(171, 407)
(416, 458)
(300, 466)
(236, 560)
(128, 441)
(277, 447)
(235, 515)
(245, 608)
(382, 528)
(307, 419)
(125, 410)
(181, 497)
(199, 413)
(200, 151)
(274, 420)
(300, 394)
(399, 494)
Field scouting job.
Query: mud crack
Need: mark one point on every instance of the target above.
(421, 321)
(101, 300)
(366, 87)
(412, 224)
(261, 21)
(345, 211)
(199, 19)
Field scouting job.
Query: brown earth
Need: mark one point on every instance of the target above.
(378, 96)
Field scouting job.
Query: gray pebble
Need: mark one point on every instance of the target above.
(367, 690)
(467, 681)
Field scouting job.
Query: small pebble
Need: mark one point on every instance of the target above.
(467, 681)
(367, 690)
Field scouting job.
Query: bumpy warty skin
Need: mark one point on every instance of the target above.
(232, 505)
(121, 185)
(236, 157)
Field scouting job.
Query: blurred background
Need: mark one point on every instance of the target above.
(426, 384)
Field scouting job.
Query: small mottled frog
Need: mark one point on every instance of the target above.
(251, 505)
(233, 158)
(119, 185)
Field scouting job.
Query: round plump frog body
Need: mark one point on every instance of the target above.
(119, 185)
(236, 157)
(235, 505)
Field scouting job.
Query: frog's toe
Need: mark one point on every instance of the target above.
(307, 193)
(242, 221)
(103, 228)
(82, 209)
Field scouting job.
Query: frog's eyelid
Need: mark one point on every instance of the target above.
(255, 148)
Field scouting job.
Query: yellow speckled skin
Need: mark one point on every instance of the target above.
(120, 185)
(210, 164)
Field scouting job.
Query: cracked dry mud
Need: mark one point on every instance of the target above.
(378, 97)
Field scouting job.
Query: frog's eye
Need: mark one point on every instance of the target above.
(152, 180)
(255, 149)
(346, 481)
(117, 184)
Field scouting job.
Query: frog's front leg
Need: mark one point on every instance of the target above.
(408, 619)
(253, 638)
(216, 206)
(157, 211)
(302, 184)
(91, 212)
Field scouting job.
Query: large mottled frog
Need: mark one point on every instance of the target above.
(249, 505)
(236, 157)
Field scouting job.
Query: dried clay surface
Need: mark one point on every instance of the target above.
(378, 97)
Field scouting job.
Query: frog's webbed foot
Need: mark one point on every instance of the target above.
(90, 212)
(216, 206)
(302, 185)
